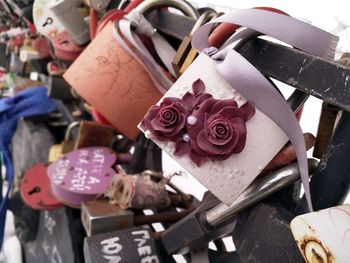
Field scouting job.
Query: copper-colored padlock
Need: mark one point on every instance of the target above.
(113, 81)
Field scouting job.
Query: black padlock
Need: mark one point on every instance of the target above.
(59, 89)
(263, 235)
(130, 245)
(147, 156)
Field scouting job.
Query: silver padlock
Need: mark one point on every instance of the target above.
(98, 5)
(164, 50)
(99, 216)
(67, 13)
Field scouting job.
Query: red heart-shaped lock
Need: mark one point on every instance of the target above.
(36, 189)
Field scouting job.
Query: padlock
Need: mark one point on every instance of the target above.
(146, 156)
(185, 52)
(67, 13)
(213, 222)
(57, 150)
(130, 98)
(35, 189)
(59, 238)
(98, 5)
(263, 234)
(193, 142)
(93, 134)
(55, 68)
(27, 53)
(46, 22)
(99, 216)
(81, 175)
(130, 245)
(127, 93)
(323, 236)
(59, 89)
(30, 145)
(163, 51)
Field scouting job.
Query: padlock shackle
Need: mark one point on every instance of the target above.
(70, 127)
(203, 18)
(185, 7)
(260, 189)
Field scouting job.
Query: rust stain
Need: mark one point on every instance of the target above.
(316, 258)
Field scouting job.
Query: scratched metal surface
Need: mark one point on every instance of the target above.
(324, 79)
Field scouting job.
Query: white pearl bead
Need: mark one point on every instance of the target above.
(191, 120)
(148, 134)
(186, 137)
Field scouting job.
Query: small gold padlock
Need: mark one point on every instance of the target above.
(57, 150)
(185, 53)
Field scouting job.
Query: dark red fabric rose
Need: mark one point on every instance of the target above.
(168, 120)
(215, 130)
(202, 127)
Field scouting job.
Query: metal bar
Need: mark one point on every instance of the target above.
(330, 183)
(324, 79)
(174, 25)
(257, 191)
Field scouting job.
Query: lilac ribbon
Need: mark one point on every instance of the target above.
(251, 84)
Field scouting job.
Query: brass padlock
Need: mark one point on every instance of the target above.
(57, 150)
(185, 53)
(94, 134)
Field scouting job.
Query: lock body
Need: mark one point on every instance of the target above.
(67, 13)
(92, 134)
(99, 216)
(130, 245)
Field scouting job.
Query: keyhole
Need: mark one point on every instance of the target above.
(35, 190)
(48, 21)
(316, 257)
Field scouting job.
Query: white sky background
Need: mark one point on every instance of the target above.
(323, 14)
